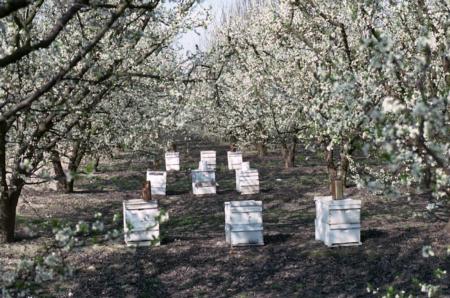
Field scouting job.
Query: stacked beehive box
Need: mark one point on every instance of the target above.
(243, 223)
(141, 222)
(319, 230)
(209, 157)
(158, 182)
(203, 180)
(247, 180)
(234, 160)
(338, 222)
(172, 161)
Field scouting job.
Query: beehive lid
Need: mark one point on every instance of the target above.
(156, 173)
(233, 154)
(247, 203)
(323, 198)
(343, 204)
(140, 204)
(172, 154)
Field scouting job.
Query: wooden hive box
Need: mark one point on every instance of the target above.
(172, 161)
(341, 220)
(244, 223)
(234, 160)
(249, 182)
(158, 182)
(319, 227)
(203, 182)
(245, 166)
(140, 220)
(210, 157)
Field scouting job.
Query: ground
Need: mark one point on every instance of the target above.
(195, 261)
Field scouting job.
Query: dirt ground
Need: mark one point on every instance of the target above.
(195, 261)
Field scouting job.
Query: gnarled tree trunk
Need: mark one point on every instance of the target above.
(288, 152)
(60, 175)
(7, 210)
(75, 158)
(262, 149)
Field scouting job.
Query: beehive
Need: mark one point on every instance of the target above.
(158, 182)
(340, 222)
(234, 160)
(319, 227)
(203, 180)
(172, 161)
(247, 180)
(140, 219)
(244, 223)
(210, 157)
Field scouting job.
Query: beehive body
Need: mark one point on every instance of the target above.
(141, 226)
(172, 161)
(243, 223)
(210, 157)
(320, 228)
(158, 182)
(234, 160)
(339, 222)
(203, 182)
(247, 180)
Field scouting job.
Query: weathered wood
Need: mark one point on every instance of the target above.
(158, 182)
(141, 222)
(339, 189)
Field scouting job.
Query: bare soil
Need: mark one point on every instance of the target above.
(195, 261)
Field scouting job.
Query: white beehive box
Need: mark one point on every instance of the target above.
(244, 223)
(341, 220)
(234, 160)
(210, 157)
(203, 181)
(158, 182)
(247, 180)
(245, 166)
(319, 227)
(140, 220)
(172, 161)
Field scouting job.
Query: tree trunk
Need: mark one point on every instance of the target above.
(288, 152)
(344, 169)
(75, 158)
(7, 213)
(60, 175)
(262, 149)
(332, 170)
(96, 163)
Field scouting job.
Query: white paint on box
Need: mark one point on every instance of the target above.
(210, 157)
(338, 222)
(140, 219)
(203, 182)
(244, 223)
(172, 161)
(234, 160)
(158, 182)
